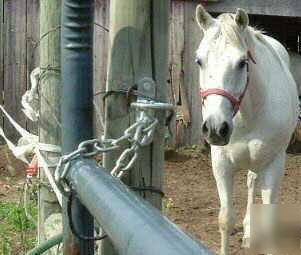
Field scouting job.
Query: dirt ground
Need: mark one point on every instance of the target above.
(12, 176)
(194, 203)
(192, 197)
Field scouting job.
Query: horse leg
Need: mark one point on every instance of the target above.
(251, 183)
(270, 179)
(224, 181)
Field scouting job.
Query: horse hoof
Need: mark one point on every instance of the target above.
(245, 242)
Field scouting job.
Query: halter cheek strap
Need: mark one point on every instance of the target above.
(221, 92)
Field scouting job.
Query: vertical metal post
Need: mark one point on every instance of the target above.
(77, 105)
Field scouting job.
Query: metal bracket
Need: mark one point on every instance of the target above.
(146, 87)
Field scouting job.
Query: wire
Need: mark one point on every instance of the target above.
(125, 92)
(44, 71)
(101, 26)
(54, 29)
(144, 188)
(37, 43)
(148, 188)
(72, 227)
(97, 238)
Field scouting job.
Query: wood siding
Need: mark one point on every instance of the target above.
(19, 55)
(287, 8)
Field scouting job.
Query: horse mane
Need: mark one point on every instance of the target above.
(231, 32)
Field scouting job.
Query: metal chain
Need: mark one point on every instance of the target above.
(139, 134)
(85, 149)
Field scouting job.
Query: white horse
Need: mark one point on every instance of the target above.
(250, 109)
(295, 61)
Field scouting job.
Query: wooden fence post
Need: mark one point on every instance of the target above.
(138, 48)
(50, 86)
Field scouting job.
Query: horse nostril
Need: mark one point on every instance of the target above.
(205, 127)
(224, 129)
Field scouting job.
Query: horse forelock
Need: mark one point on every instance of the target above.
(230, 31)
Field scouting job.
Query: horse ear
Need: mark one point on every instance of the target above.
(203, 18)
(241, 18)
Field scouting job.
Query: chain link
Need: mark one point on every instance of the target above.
(139, 134)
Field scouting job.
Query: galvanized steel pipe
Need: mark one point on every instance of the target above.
(134, 226)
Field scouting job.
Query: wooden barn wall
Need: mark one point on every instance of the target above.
(285, 8)
(17, 30)
(19, 55)
(182, 80)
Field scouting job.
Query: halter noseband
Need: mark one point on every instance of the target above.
(221, 92)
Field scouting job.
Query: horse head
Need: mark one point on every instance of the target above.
(223, 57)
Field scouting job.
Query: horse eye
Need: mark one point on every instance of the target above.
(199, 62)
(242, 63)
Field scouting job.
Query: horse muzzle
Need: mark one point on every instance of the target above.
(217, 132)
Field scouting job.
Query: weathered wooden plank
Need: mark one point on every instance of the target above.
(196, 37)
(176, 57)
(187, 64)
(191, 84)
(32, 34)
(289, 8)
(170, 93)
(160, 68)
(101, 41)
(14, 62)
(177, 44)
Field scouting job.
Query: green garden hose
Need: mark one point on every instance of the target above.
(48, 244)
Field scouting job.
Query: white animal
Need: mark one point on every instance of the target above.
(250, 109)
(295, 63)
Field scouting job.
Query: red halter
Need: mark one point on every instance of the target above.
(221, 92)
